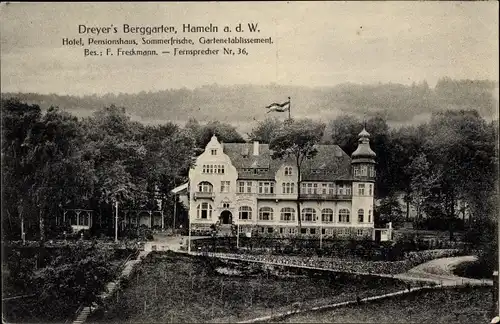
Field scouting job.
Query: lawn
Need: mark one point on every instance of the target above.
(461, 305)
(173, 288)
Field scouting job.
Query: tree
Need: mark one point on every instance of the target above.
(345, 130)
(297, 140)
(43, 165)
(389, 210)
(460, 144)
(18, 120)
(423, 180)
(203, 133)
(265, 130)
(61, 174)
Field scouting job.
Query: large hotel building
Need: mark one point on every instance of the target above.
(239, 183)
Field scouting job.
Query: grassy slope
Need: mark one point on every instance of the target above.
(176, 289)
(439, 306)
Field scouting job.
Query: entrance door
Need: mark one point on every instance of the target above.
(226, 217)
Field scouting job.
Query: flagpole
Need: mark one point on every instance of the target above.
(289, 108)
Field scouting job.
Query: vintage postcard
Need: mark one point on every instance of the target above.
(250, 162)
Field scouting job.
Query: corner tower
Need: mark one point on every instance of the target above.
(363, 159)
(363, 183)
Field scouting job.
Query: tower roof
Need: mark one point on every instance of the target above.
(364, 133)
(364, 150)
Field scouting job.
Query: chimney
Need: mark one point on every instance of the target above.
(256, 148)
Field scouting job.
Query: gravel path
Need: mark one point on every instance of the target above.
(441, 271)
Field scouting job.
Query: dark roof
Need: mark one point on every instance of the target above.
(330, 163)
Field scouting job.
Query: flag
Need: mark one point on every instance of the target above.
(281, 107)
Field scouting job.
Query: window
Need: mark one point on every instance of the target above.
(245, 212)
(214, 152)
(225, 205)
(266, 187)
(331, 189)
(361, 215)
(344, 231)
(361, 189)
(244, 186)
(324, 188)
(288, 188)
(315, 188)
(370, 189)
(204, 211)
(312, 231)
(369, 215)
(327, 215)
(270, 230)
(224, 186)
(308, 215)
(372, 171)
(266, 214)
(287, 214)
(356, 171)
(343, 189)
(211, 168)
(83, 220)
(360, 232)
(303, 230)
(288, 171)
(323, 231)
(205, 187)
(344, 215)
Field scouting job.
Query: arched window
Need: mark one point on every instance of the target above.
(204, 211)
(205, 186)
(308, 215)
(287, 214)
(245, 212)
(266, 214)
(327, 215)
(361, 215)
(288, 171)
(344, 215)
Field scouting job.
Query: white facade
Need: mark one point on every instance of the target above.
(217, 193)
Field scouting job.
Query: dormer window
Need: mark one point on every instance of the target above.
(288, 171)
(214, 152)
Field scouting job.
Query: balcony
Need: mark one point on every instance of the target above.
(204, 195)
(266, 196)
(325, 197)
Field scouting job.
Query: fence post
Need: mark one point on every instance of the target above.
(495, 308)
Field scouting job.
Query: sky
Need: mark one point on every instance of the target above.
(315, 44)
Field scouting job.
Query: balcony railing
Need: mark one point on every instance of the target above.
(204, 195)
(304, 196)
(266, 195)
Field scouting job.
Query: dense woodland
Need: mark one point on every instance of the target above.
(398, 103)
(54, 160)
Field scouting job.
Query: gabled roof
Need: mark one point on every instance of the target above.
(330, 158)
